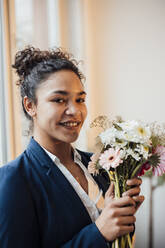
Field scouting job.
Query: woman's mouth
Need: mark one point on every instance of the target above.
(70, 124)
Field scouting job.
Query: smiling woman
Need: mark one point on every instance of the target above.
(45, 197)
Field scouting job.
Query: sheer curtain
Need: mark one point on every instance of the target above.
(3, 116)
(10, 91)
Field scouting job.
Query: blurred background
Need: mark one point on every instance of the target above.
(122, 46)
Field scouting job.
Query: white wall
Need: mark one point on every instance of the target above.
(125, 48)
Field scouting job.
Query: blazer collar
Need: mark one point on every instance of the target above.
(44, 160)
(55, 175)
(39, 153)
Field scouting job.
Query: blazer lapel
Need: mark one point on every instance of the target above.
(55, 175)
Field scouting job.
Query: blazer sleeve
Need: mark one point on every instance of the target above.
(89, 236)
(18, 222)
(18, 227)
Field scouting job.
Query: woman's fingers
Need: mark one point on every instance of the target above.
(109, 195)
(126, 220)
(110, 191)
(124, 229)
(136, 181)
(135, 191)
(139, 200)
(123, 211)
(132, 192)
(123, 201)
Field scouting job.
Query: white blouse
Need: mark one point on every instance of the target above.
(89, 201)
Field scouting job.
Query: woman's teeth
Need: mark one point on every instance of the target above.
(70, 124)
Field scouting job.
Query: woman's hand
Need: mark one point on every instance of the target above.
(134, 191)
(117, 217)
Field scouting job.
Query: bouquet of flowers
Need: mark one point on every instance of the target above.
(128, 149)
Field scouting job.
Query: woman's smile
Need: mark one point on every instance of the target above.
(70, 124)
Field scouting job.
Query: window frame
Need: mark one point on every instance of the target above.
(3, 119)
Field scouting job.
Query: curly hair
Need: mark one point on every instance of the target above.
(33, 66)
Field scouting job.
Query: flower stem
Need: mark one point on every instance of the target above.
(113, 244)
(136, 170)
(117, 188)
(123, 239)
(117, 243)
(129, 241)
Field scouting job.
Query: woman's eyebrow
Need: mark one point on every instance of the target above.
(65, 93)
(82, 93)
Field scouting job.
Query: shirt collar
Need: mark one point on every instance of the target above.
(76, 156)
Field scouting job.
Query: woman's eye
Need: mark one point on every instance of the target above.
(58, 100)
(80, 100)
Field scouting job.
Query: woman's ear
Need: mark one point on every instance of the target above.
(29, 106)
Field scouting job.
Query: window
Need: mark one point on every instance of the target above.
(3, 125)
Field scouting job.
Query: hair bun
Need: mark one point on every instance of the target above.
(30, 57)
(26, 60)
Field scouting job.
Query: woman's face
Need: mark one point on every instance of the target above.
(60, 110)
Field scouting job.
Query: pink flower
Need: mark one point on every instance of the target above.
(110, 158)
(159, 170)
(92, 168)
(145, 167)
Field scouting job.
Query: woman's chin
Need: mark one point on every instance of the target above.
(71, 138)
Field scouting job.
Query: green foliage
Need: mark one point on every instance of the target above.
(155, 140)
(148, 173)
(154, 160)
(117, 127)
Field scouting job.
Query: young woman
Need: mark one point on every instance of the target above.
(44, 193)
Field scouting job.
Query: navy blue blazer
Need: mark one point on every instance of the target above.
(40, 209)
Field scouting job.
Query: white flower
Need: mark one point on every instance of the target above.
(128, 125)
(131, 131)
(122, 152)
(112, 136)
(143, 150)
(133, 154)
(143, 133)
(119, 143)
(135, 131)
(108, 136)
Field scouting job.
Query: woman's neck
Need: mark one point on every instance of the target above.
(60, 149)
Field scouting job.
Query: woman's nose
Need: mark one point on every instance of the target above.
(72, 109)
